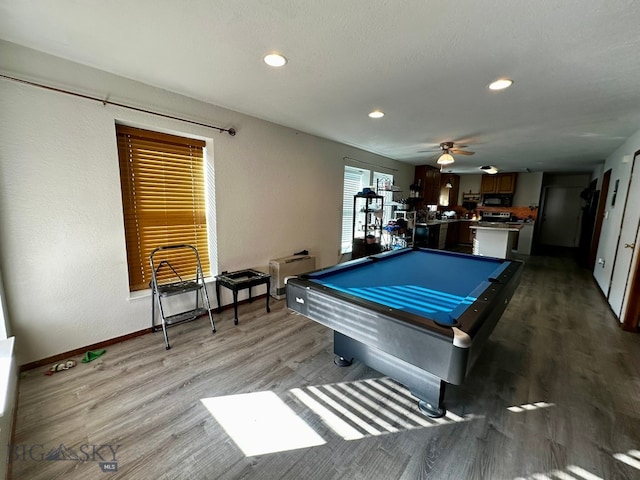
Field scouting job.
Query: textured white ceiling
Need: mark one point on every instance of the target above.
(425, 63)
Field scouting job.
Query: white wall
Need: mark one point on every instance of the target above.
(469, 183)
(62, 248)
(620, 170)
(8, 388)
(528, 188)
(8, 381)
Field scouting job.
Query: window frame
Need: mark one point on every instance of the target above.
(366, 178)
(202, 181)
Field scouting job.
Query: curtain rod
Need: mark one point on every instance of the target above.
(230, 131)
(372, 164)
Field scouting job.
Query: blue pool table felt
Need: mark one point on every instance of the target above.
(429, 284)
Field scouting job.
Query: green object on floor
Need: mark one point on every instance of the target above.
(91, 355)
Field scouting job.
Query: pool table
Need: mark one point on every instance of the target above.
(418, 315)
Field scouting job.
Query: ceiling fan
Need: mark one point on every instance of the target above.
(450, 147)
(447, 148)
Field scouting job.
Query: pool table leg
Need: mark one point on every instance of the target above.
(430, 394)
(426, 387)
(341, 361)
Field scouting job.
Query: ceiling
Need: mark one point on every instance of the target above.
(425, 63)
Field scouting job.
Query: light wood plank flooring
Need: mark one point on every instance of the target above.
(557, 354)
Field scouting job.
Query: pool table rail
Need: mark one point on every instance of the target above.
(423, 343)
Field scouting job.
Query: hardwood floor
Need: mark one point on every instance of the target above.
(555, 394)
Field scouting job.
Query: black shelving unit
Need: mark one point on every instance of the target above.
(369, 208)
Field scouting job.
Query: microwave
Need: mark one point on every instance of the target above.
(497, 200)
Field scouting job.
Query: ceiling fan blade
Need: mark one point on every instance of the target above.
(448, 147)
(455, 151)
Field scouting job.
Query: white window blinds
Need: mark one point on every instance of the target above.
(355, 179)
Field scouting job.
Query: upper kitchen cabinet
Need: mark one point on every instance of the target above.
(449, 188)
(499, 183)
(429, 178)
(488, 184)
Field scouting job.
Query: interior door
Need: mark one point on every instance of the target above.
(561, 216)
(631, 307)
(621, 276)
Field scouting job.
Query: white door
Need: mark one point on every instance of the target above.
(628, 234)
(561, 216)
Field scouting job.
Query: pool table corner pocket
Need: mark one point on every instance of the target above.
(460, 339)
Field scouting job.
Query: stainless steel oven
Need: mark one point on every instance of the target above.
(495, 216)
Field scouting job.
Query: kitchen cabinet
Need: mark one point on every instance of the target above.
(466, 233)
(488, 184)
(439, 235)
(431, 234)
(506, 182)
(429, 178)
(449, 195)
(498, 183)
(453, 234)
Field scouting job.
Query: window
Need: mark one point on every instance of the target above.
(355, 179)
(163, 197)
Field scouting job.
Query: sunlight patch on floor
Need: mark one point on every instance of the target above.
(572, 472)
(365, 408)
(261, 423)
(631, 458)
(529, 406)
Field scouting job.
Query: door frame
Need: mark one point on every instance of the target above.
(631, 315)
(602, 203)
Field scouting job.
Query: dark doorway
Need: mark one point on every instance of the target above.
(589, 211)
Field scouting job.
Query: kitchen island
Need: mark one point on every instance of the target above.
(494, 239)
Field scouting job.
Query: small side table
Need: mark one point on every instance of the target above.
(240, 280)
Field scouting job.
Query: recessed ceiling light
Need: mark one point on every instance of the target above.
(376, 114)
(275, 60)
(500, 84)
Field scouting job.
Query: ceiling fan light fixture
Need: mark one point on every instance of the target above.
(501, 84)
(490, 169)
(445, 159)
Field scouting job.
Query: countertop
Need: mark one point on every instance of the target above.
(445, 222)
(479, 222)
(514, 227)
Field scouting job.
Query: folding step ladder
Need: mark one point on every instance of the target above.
(174, 273)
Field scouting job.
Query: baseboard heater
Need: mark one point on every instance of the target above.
(281, 268)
